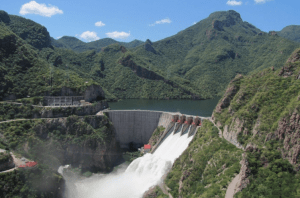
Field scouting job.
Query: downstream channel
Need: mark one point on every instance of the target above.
(134, 179)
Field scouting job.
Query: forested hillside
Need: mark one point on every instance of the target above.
(291, 32)
(23, 71)
(31, 66)
(211, 52)
(254, 147)
(196, 63)
(77, 45)
(260, 113)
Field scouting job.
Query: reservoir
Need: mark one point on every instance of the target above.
(190, 107)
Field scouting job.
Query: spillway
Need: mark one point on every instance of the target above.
(138, 177)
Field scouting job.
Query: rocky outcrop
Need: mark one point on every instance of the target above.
(288, 131)
(231, 132)
(294, 57)
(286, 71)
(243, 179)
(273, 33)
(230, 19)
(184, 176)
(123, 49)
(229, 94)
(94, 93)
(148, 46)
(289, 67)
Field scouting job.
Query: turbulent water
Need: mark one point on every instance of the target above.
(138, 177)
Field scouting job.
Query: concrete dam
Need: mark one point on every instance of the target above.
(135, 127)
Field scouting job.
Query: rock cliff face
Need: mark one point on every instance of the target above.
(148, 46)
(243, 178)
(288, 131)
(230, 133)
(232, 130)
(229, 94)
(88, 143)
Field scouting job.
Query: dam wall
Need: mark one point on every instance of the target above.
(134, 128)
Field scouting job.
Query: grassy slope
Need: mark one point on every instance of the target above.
(267, 98)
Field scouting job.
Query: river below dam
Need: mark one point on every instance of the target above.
(135, 179)
(190, 107)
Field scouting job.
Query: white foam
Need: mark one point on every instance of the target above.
(140, 175)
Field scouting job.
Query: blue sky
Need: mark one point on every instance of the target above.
(125, 21)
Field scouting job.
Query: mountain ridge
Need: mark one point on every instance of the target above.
(198, 62)
(79, 46)
(291, 32)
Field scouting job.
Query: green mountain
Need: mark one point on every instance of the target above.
(195, 63)
(29, 61)
(210, 53)
(79, 46)
(291, 32)
(201, 59)
(23, 70)
(260, 113)
(253, 145)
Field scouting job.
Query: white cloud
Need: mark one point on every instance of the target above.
(194, 23)
(99, 24)
(166, 20)
(234, 3)
(118, 35)
(262, 1)
(89, 36)
(58, 37)
(41, 9)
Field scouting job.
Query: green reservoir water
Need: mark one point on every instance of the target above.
(189, 107)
